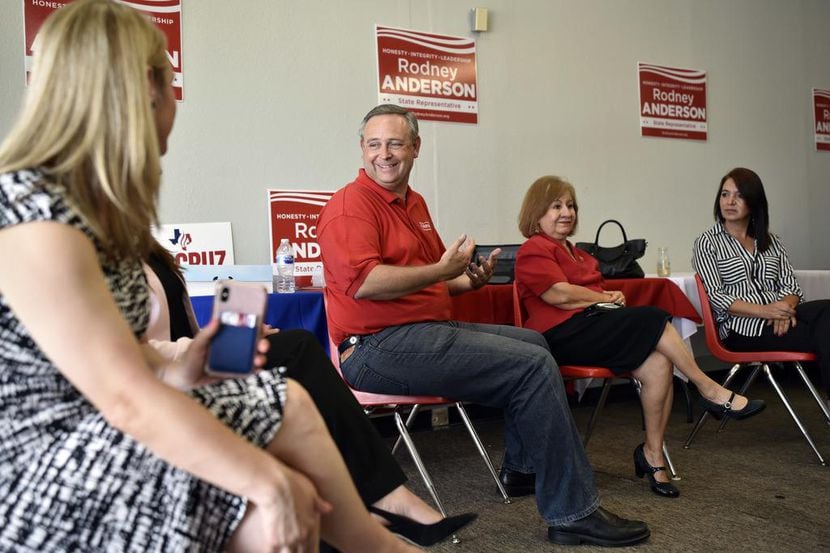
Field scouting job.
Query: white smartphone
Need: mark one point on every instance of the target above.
(240, 308)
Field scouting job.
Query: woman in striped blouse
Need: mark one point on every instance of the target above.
(755, 296)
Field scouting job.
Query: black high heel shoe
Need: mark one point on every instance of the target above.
(720, 410)
(643, 468)
(424, 534)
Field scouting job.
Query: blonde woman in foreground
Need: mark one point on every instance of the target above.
(103, 447)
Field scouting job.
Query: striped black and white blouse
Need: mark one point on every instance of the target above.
(730, 273)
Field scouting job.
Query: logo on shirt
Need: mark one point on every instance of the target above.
(425, 226)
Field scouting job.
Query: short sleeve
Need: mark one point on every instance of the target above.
(351, 249)
(537, 268)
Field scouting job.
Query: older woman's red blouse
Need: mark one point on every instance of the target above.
(541, 262)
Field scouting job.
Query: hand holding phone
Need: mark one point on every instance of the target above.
(600, 308)
(240, 309)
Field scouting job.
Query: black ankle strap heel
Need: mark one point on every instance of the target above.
(423, 534)
(643, 468)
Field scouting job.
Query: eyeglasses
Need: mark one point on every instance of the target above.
(391, 145)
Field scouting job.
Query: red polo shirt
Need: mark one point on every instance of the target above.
(364, 225)
(541, 262)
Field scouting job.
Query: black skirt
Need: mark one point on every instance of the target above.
(620, 339)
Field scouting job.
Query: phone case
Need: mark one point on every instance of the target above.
(240, 308)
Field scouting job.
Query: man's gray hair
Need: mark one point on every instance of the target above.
(391, 109)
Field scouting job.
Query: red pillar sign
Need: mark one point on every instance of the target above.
(821, 118)
(672, 102)
(433, 76)
(166, 14)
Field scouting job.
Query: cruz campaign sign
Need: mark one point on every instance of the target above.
(433, 76)
(821, 118)
(166, 14)
(672, 102)
(293, 214)
(197, 243)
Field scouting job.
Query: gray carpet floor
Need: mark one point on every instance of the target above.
(756, 486)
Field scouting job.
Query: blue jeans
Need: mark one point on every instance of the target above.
(497, 366)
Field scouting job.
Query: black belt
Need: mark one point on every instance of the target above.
(347, 343)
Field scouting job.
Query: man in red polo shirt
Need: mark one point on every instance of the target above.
(389, 280)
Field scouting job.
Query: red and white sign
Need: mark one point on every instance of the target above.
(293, 214)
(197, 243)
(672, 102)
(433, 76)
(166, 14)
(821, 118)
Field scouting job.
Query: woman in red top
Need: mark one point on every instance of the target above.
(562, 290)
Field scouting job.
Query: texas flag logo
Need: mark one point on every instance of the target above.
(183, 240)
(197, 243)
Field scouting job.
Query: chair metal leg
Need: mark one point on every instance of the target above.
(755, 370)
(606, 387)
(669, 465)
(416, 457)
(789, 407)
(483, 452)
(702, 418)
(409, 420)
(822, 405)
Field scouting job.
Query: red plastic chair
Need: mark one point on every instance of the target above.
(372, 402)
(576, 372)
(759, 361)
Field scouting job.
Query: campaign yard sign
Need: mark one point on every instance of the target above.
(821, 118)
(197, 243)
(672, 102)
(166, 14)
(293, 214)
(431, 75)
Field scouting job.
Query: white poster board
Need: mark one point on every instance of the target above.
(197, 243)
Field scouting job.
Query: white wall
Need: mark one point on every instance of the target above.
(274, 92)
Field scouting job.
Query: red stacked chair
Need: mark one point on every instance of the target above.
(576, 372)
(372, 402)
(759, 362)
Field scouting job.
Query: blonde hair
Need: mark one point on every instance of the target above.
(87, 120)
(537, 200)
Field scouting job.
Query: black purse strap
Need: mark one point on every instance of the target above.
(596, 239)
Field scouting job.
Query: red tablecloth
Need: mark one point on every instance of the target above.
(494, 302)
(659, 292)
(491, 304)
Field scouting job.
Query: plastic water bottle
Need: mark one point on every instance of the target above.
(317, 279)
(663, 262)
(284, 260)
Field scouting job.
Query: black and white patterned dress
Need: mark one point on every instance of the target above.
(68, 480)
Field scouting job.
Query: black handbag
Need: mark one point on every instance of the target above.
(618, 261)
